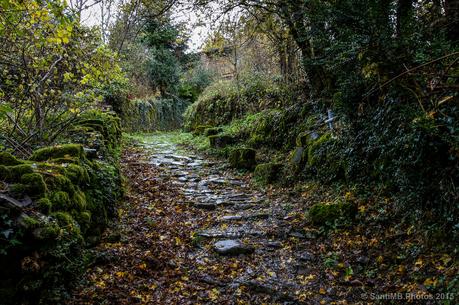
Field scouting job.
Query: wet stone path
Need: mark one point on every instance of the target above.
(193, 231)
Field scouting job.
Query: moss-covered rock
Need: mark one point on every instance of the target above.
(8, 159)
(79, 200)
(314, 153)
(65, 220)
(327, 213)
(267, 172)
(305, 138)
(17, 189)
(48, 231)
(18, 171)
(221, 141)
(200, 129)
(243, 158)
(59, 151)
(325, 159)
(77, 174)
(44, 205)
(60, 201)
(15, 172)
(28, 222)
(60, 182)
(213, 131)
(35, 184)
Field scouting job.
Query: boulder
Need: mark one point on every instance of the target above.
(305, 138)
(243, 158)
(267, 172)
(221, 141)
(327, 213)
(232, 247)
(199, 130)
(213, 131)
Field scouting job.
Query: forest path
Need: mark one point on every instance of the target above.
(193, 231)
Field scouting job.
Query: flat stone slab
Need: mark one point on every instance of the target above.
(234, 232)
(232, 247)
(205, 205)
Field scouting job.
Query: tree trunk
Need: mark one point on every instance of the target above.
(404, 18)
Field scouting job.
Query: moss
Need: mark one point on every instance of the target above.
(221, 141)
(83, 219)
(79, 200)
(306, 138)
(59, 151)
(17, 171)
(77, 174)
(60, 201)
(267, 172)
(199, 130)
(44, 205)
(36, 186)
(8, 159)
(313, 150)
(28, 222)
(50, 231)
(17, 189)
(14, 173)
(242, 158)
(328, 213)
(66, 221)
(325, 159)
(58, 182)
(212, 131)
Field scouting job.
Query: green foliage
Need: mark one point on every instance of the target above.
(224, 101)
(193, 82)
(62, 70)
(153, 114)
(165, 43)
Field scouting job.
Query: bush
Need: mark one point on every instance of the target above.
(226, 100)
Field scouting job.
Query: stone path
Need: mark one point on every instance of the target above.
(218, 240)
(247, 224)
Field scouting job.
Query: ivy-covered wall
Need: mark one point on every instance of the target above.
(144, 115)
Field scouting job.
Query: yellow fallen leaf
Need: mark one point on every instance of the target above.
(120, 274)
(419, 263)
(214, 294)
(178, 241)
(322, 290)
(430, 282)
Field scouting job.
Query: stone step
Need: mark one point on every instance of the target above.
(232, 247)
